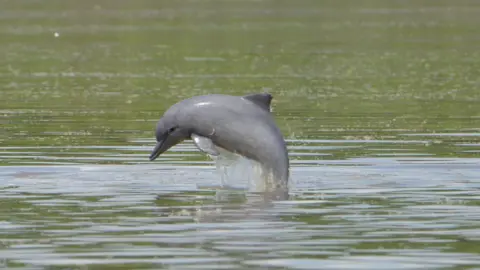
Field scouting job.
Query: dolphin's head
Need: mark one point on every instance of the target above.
(168, 133)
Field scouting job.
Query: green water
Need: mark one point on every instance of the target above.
(385, 65)
(369, 94)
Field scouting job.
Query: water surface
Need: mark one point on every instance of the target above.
(378, 101)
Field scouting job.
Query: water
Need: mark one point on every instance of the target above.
(378, 101)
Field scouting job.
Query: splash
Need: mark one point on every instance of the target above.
(240, 173)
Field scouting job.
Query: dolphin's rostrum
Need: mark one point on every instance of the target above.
(242, 125)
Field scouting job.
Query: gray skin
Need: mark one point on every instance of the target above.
(242, 125)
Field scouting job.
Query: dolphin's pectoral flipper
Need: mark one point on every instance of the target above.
(205, 145)
(262, 100)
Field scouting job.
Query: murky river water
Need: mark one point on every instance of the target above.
(379, 102)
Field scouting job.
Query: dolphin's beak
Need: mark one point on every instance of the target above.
(158, 150)
(165, 143)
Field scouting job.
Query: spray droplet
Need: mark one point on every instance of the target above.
(56, 34)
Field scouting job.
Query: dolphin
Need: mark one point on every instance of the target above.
(238, 124)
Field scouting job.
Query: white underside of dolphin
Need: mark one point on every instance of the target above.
(205, 145)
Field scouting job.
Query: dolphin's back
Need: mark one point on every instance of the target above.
(237, 125)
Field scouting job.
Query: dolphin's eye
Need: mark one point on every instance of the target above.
(172, 129)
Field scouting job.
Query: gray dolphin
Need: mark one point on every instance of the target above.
(241, 125)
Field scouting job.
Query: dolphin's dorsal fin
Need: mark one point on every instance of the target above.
(262, 100)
